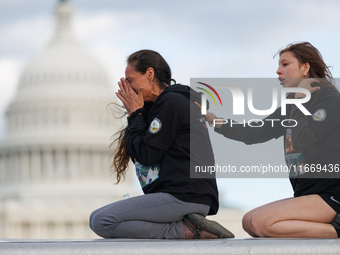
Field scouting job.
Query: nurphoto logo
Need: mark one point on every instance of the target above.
(238, 99)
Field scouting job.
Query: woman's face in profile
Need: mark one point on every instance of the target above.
(290, 71)
(138, 80)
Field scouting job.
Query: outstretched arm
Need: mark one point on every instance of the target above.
(256, 133)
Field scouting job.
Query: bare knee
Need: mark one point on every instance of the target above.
(260, 225)
(246, 224)
(245, 221)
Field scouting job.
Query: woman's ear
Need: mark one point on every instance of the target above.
(150, 73)
(306, 67)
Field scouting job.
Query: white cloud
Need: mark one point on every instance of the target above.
(94, 27)
(9, 75)
(25, 36)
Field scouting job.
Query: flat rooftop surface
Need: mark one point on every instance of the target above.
(251, 246)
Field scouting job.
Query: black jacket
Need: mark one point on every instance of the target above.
(165, 144)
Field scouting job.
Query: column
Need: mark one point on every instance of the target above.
(74, 163)
(59, 230)
(105, 163)
(16, 166)
(96, 165)
(11, 168)
(60, 164)
(2, 169)
(50, 230)
(34, 231)
(47, 164)
(69, 230)
(35, 165)
(43, 230)
(85, 164)
(25, 166)
(5, 173)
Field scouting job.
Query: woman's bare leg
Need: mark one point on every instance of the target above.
(301, 217)
(247, 216)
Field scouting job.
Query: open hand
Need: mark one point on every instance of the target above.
(209, 116)
(307, 84)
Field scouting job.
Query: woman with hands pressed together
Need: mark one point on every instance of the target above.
(157, 140)
(312, 151)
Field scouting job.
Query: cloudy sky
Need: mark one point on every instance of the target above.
(216, 38)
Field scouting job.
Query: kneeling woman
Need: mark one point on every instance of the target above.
(157, 139)
(314, 142)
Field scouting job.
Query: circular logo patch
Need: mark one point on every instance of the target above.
(319, 115)
(155, 126)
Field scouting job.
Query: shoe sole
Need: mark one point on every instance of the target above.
(208, 225)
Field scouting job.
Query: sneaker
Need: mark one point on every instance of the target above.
(197, 226)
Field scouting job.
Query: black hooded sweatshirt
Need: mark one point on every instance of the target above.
(167, 141)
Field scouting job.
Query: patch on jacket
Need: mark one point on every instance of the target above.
(155, 126)
(320, 115)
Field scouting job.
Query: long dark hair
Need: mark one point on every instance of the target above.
(141, 61)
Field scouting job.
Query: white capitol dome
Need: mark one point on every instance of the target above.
(54, 159)
(62, 92)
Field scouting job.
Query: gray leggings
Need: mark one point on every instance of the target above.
(157, 215)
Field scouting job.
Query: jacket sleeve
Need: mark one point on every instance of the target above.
(148, 145)
(303, 136)
(145, 154)
(311, 128)
(254, 132)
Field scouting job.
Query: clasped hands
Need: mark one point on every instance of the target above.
(130, 99)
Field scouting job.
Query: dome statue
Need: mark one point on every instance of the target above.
(54, 159)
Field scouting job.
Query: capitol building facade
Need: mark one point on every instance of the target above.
(54, 159)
